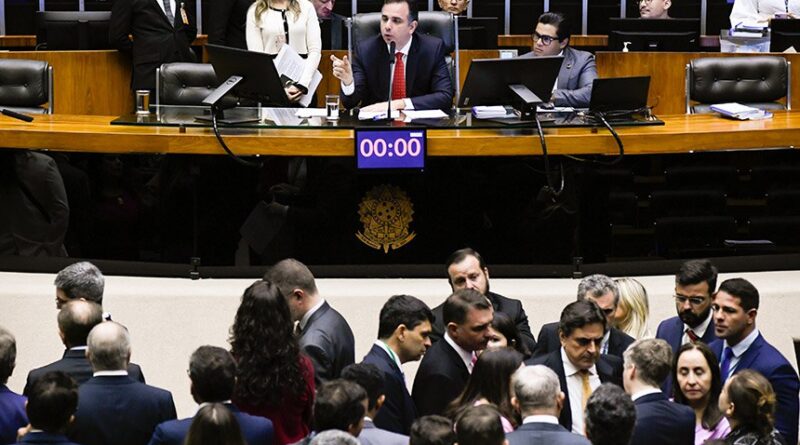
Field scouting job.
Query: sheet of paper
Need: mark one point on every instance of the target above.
(282, 116)
(375, 115)
(291, 65)
(311, 112)
(423, 114)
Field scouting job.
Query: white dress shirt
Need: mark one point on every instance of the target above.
(575, 390)
(347, 90)
(700, 330)
(739, 349)
(465, 355)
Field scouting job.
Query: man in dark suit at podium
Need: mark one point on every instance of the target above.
(226, 20)
(162, 31)
(420, 79)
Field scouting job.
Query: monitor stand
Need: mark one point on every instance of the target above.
(213, 100)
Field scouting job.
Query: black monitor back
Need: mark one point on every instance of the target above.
(619, 94)
(260, 83)
(72, 30)
(784, 33)
(678, 35)
(488, 80)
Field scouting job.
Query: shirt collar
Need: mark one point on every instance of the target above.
(701, 329)
(304, 320)
(743, 345)
(79, 348)
(200, 406)
(110, 373)
(570, 369)
(541, 418)
(465, 355)
(381, 344)
(644, 392)
(405, 49)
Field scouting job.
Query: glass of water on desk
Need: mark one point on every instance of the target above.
(332, 106)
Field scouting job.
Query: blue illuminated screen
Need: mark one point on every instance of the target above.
(391, 148)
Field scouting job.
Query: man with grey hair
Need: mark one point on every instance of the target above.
(79, 281)
(334, 437)
(324, 334)
(538, 399)
(75, 320)
(603, 291)
(12, 405)
(115, 408)
(647, 363)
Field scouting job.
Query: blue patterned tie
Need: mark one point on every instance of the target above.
(725, 364)
(168, 12)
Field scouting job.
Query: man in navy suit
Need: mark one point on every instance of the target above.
(741, 346)
(695, 283)
(610, 416)
(324, 334)
(538, 399)
(466, 269)
(12, 405)
(604, 292)
(420, 79)
(578, 363)
(370, 378)
(403, 336)
(658, 421)
(114, 408)
(213, 374)
(75, 320)
(445, 369)
(52, 401)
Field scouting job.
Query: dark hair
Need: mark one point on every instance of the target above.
(76, 319)
(560, 21)
(696, 272)
(263, 343)
(81, 280)
(480, 425)
(503, 324)
(214, 424)
(743, 290)
(338, 405)
(652, 358)
(369, 377)
(610, 416)
(753, 402)
(711, 413)
(413, 11)
(405, 310)
(578, 314)
(460, 302)
(490, 380)
(290, 274)
(213, 373)
(52, 400)
(460, 255)
(432, 430)
(8, 355)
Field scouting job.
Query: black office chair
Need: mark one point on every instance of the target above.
(758, 81)
(26, 86)
(185, 83)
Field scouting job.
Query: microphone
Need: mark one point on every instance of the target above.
(392, 48)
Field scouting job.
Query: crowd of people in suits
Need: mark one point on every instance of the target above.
(708, 376)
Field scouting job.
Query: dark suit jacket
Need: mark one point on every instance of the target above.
(544, 433)
(764, 358)
(12, 414)
(372, 435)
(328, 342)
(549, 341)
(659, 421)
(512, 308)
(441, 377)
(256, 430)
(398, 411)
(46, 439)
(155, 39)
(119, 410)
(333, 32)
(226, 22)
(574, 84)
(428, 82)
(77, 366)
(609, 369)
(671, 330)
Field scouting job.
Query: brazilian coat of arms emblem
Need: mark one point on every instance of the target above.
(386, 213)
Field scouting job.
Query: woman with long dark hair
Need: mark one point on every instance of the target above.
(748, 401)
(274, 380)
(506, 334)
(490, 382)
(697, 383)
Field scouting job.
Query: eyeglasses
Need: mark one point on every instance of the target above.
(546, 40)
(584, 342)
(694, 301)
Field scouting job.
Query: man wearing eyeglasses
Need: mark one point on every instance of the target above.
(695, 282)
(654, 9)
(602, 291)
(580, 366)
(573, 87)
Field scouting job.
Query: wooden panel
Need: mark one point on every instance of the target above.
(29, 41)
(667, 72)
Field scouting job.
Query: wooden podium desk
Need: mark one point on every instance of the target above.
(680, 134)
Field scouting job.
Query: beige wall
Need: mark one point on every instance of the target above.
(169, 318)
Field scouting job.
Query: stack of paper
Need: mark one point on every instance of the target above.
(738, 111)
(493, 112)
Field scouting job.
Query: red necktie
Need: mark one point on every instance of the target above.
(399, 85)
(692, 336)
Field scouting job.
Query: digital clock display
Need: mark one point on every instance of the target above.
(390, 148)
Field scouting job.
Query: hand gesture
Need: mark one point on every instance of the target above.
(342, 69)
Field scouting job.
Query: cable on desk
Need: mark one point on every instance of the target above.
(225, 146)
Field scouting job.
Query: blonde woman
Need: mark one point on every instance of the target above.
(633, 309)
(272, 23)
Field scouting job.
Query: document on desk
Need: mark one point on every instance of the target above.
(288, 63)
(423, 114)
(282, 116)
(311, 112)
(376, 115)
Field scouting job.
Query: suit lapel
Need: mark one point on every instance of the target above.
(316, 316)
(565, 74)
(382, 59)
(161, 12)
(453, 356)
(385, 357)
(411, 65)
(751, 354)
(676, 334)
(555, 363)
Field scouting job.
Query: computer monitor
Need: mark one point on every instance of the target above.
(680, 35)
(477, 32)
(259, 80)
(619, 94)
(784, 33)
(72, 30)
(489, 81)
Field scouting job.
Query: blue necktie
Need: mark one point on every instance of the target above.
(725, 364)
(168, 12)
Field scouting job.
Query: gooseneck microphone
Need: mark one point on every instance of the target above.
(392, 47)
